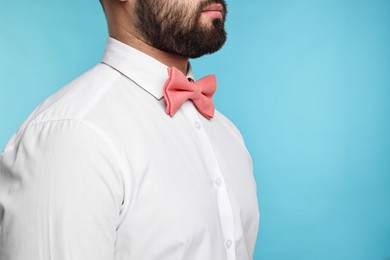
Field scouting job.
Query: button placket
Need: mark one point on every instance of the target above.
(228, 243)
(197, 125)
(218, 182)
(214, 171)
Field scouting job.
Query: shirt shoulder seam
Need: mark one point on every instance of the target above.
(90, 125)
(105, 137)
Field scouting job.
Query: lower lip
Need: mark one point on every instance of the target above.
(213, 14)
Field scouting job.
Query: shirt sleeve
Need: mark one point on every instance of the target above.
(60, 194)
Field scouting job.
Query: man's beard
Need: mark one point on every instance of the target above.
(169, 26)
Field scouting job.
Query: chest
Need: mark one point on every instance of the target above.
(189, 184)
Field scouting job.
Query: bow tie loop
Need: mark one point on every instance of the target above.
(178, 89)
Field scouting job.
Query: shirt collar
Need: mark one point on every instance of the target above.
(145, 71)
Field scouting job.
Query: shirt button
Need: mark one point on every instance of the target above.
(198, 125)
(218, 182)
(229, 243)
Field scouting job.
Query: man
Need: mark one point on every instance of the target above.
(130, 160)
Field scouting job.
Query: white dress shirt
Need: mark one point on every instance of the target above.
(99, 171)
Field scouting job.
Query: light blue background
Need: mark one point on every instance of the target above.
(306, 81)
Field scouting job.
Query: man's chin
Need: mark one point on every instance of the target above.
(208, 48)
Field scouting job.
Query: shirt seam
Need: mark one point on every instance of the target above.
(103, 135)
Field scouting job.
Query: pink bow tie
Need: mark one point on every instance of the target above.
(178, 89)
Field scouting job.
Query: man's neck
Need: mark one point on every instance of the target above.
(168, 59)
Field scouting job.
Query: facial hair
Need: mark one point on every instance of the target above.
(171, 27)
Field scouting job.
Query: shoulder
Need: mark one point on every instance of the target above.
(71, 103)
(77, 97)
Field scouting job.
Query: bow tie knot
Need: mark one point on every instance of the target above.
(197, 91)
(178, 89)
